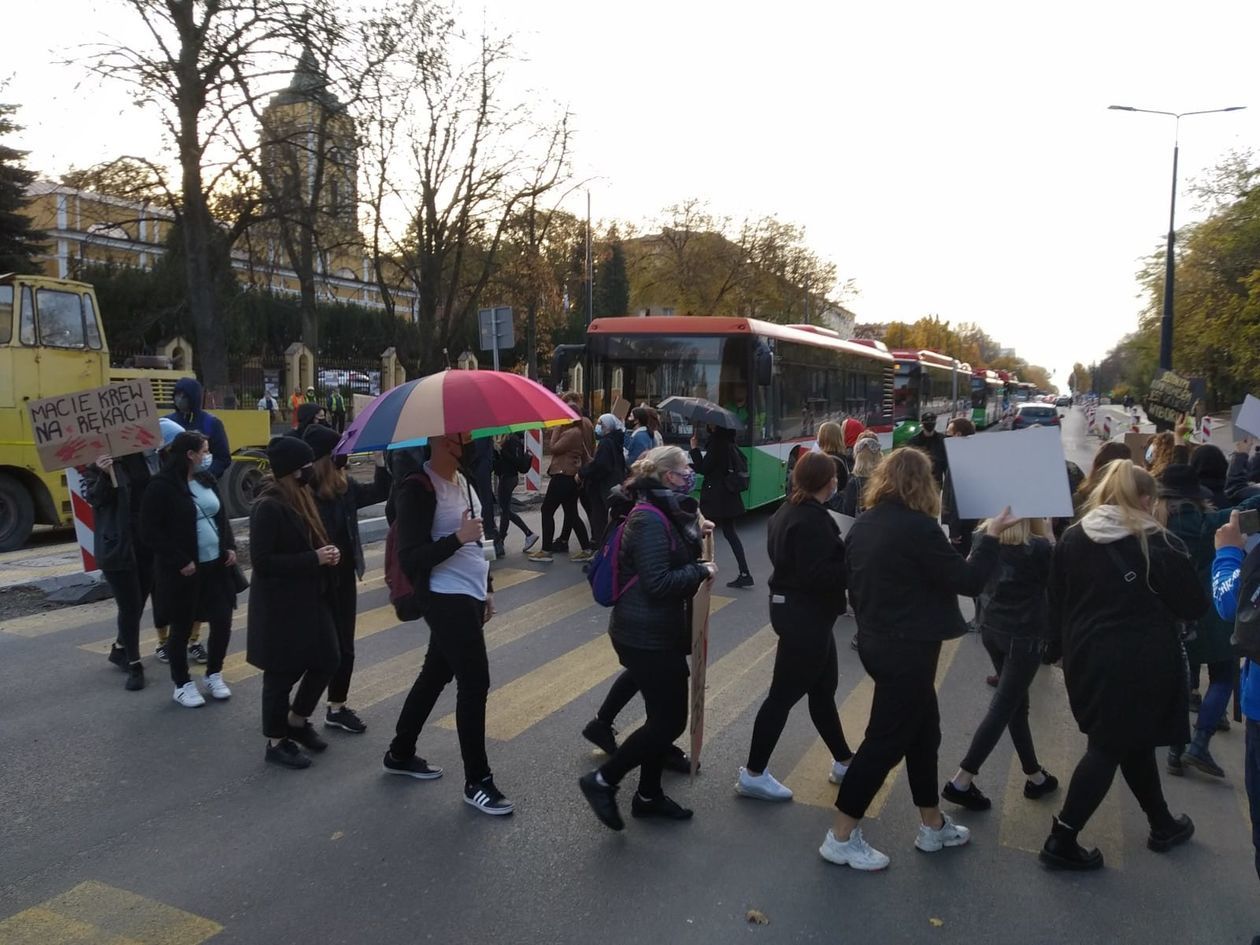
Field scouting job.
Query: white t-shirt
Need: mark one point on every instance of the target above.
(467, 571)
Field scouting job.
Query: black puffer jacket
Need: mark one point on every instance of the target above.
(654, 612)
(1014, 600)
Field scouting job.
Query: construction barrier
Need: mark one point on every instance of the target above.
(533, 443)
(84, 520)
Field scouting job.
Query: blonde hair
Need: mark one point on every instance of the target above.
(659, 460)
(1123, 487)
(1021, 531)
(905, 476)
(330, 482)
(830, 438)
(865, 459)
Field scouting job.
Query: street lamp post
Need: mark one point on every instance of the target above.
(1166, 323)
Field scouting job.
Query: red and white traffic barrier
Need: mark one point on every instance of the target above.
(84, 520)
(1205, 431)
(534, 446)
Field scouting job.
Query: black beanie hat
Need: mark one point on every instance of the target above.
(287, 454)
(321, 439)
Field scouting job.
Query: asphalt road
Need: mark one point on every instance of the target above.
(130, 819)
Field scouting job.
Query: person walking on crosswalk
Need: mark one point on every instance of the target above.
(339, 498)
(291, 636)
(807, 594)
(440, 548)
(660, 572)
(1120, 585)
(904, 581)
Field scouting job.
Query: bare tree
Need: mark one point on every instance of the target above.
(190, 73)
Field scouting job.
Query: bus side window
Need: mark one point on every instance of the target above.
(26, 333)
(6, 314)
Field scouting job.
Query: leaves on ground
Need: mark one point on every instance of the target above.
(757, 917)
(936, 923)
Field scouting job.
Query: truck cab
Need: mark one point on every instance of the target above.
(52, 341)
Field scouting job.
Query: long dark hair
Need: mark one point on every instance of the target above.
(190, 441)
(648, 418)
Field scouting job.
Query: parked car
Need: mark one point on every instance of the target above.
(1034, 415)
(1064, 401)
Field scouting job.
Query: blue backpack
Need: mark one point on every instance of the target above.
(603, 573)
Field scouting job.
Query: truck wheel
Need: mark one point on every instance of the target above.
(240, 486)
(17, 514)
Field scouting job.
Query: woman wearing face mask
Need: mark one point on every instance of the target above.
(187, 527)
(339, 498)
(650, 627)
(604, 472)
(291, 635)
(807, 594)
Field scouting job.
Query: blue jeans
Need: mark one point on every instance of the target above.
(1216, 699)
(1253, 784)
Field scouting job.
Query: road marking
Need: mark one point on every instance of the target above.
(528, 699)
(395, 675)
(95, 914)
(1060, 745)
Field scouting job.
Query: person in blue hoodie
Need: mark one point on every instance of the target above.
(1227, 570)
(189, 414)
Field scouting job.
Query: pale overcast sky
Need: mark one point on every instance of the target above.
(956, 159)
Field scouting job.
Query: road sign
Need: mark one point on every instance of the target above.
(495, 328)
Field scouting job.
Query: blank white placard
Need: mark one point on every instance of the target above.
(1025, 469)
(1249, 417)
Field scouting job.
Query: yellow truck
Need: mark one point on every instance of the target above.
(52, 341)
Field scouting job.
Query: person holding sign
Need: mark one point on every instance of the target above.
(1119, 587)
(186, 525)
(807, 594)
(650, 627)
(904, 581)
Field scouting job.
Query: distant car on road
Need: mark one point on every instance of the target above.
(1034, 415)
(1064, 401)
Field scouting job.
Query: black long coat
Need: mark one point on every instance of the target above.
(290, 627)
(1122, 656)
(717, 502)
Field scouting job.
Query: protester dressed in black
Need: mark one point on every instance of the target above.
(339, 498)
(932, 443)
(904, 582)
(1119, 587)
(807, 594)
(183, 520)
(719, 501)
(1013, 630)
(651, 630)
(120, 551)
(605, 471)
(291, 635)
(511, 461)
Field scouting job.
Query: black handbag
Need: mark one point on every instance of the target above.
(240, 583)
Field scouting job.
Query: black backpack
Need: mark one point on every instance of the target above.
(1246, 637)
(737, 478)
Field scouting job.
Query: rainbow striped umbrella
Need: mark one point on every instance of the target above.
(480, 403)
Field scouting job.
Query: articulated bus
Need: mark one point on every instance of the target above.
(928, 382)
(782, 381)
(1022, 392)
(988, 399)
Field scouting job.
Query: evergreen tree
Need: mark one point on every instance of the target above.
(20, 242)
(612, 285)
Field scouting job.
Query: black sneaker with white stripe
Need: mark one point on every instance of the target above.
(487, 798)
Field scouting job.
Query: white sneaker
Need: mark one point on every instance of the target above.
(838, 771)
(218, 688)
(188, 696)
(950, 835)
(763, 786)
(854, 852)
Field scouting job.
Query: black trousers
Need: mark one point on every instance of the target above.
(457, 650)
(276, 688)
(562, 492)
(1016, 660)
(345, 602)
(805, 664)
(623, 689)
(131, 589)
(597, 512)
(905, 723)
(339, 421)
(507, 485)
(661, 676)
(727, 525)
(205, 595)
(1092, 780)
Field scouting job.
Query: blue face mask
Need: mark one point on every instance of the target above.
(206, 462)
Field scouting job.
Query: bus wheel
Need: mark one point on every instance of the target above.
(240, 487)
(17, 514)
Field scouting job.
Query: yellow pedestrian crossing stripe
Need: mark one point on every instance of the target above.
(95, 914)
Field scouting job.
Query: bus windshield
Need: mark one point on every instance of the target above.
(979, 391)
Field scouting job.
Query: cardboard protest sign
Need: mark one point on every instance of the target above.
(1247, 421)
(620, 409)
(74, 429)
(1168, 398)
(1136, 442)
(1023, 469)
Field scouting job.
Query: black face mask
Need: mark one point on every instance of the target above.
(929, 428)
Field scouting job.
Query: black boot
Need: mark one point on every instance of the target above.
(1198, 756)
(1169, 833)
(1062, 852)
